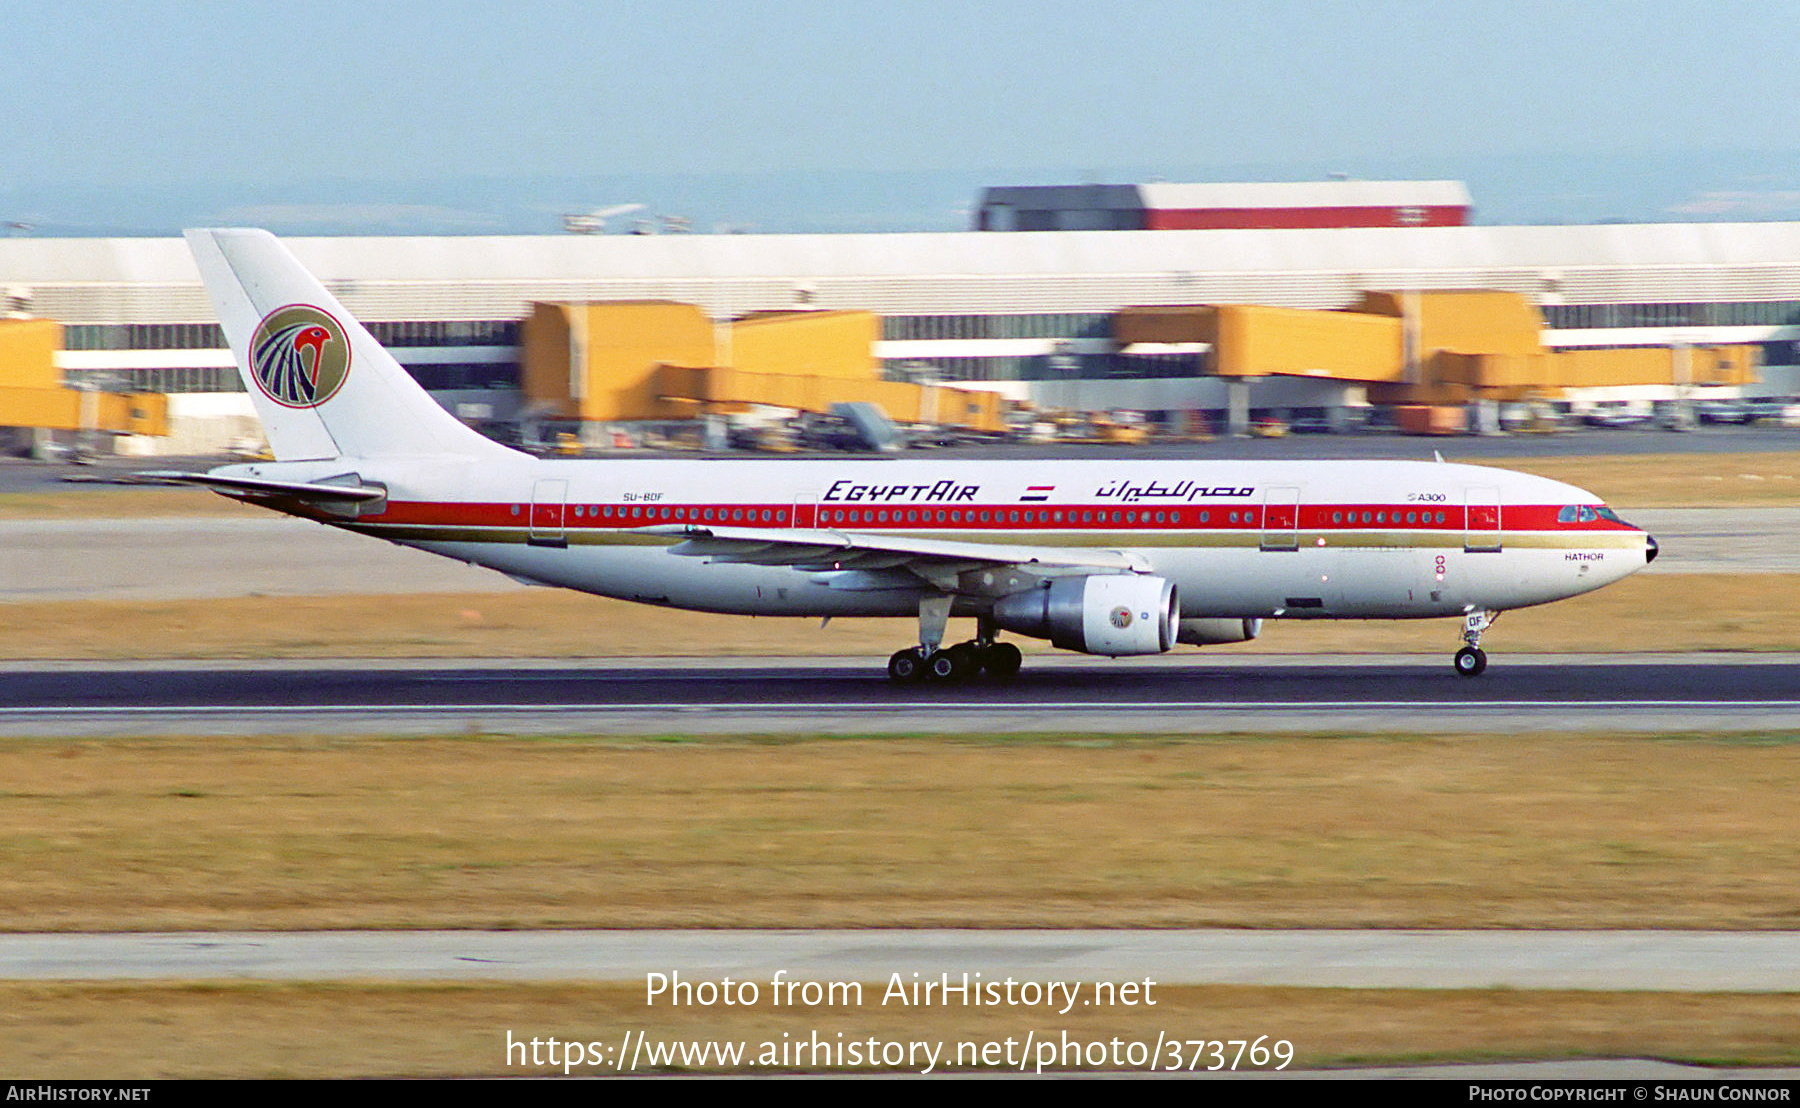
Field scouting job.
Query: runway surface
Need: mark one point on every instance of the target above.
(1668, 961)
(853, 696)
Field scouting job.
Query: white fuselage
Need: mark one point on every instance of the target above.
(1339, 539)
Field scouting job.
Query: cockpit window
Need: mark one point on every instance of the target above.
(1586, 513)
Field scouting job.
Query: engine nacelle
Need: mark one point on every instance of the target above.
(1213, 631)
(1111, 614)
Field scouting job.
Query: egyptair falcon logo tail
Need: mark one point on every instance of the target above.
(300, 356)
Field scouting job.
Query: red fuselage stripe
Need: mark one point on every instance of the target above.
(991, 517)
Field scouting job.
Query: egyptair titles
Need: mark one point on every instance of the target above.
(938, 492)
(952, 491)
(1130, 492)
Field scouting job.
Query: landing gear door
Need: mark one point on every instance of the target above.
(1281, 519)
(1482, 520)
(547, 499)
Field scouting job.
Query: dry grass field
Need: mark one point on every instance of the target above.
(113, 502)
(1070, 831)
(1629, 481)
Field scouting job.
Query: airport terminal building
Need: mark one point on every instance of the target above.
(1032, 315)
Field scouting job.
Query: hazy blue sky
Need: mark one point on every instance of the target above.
(489, 115)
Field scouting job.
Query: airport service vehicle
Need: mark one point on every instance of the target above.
(1112, 558)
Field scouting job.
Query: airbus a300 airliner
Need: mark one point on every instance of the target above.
(1104, 557)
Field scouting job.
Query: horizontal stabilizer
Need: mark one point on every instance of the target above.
(328, 494)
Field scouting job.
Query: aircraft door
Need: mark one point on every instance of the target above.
(1482, 521)
(807, 512)
(547, 499)
(1281, 519)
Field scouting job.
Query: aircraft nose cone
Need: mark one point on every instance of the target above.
(1650, 549)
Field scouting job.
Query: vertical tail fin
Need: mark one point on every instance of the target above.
(322, 385)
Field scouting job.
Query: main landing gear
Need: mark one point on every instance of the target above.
(965, 660)
(1471, 659)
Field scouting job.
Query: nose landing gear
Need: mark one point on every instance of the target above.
(1471, 659)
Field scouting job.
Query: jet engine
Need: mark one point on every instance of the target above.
(1209, 632)
(1111, 614)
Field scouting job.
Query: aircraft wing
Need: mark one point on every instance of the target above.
(938, 561)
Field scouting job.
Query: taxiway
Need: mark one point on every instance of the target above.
(1673, 961)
